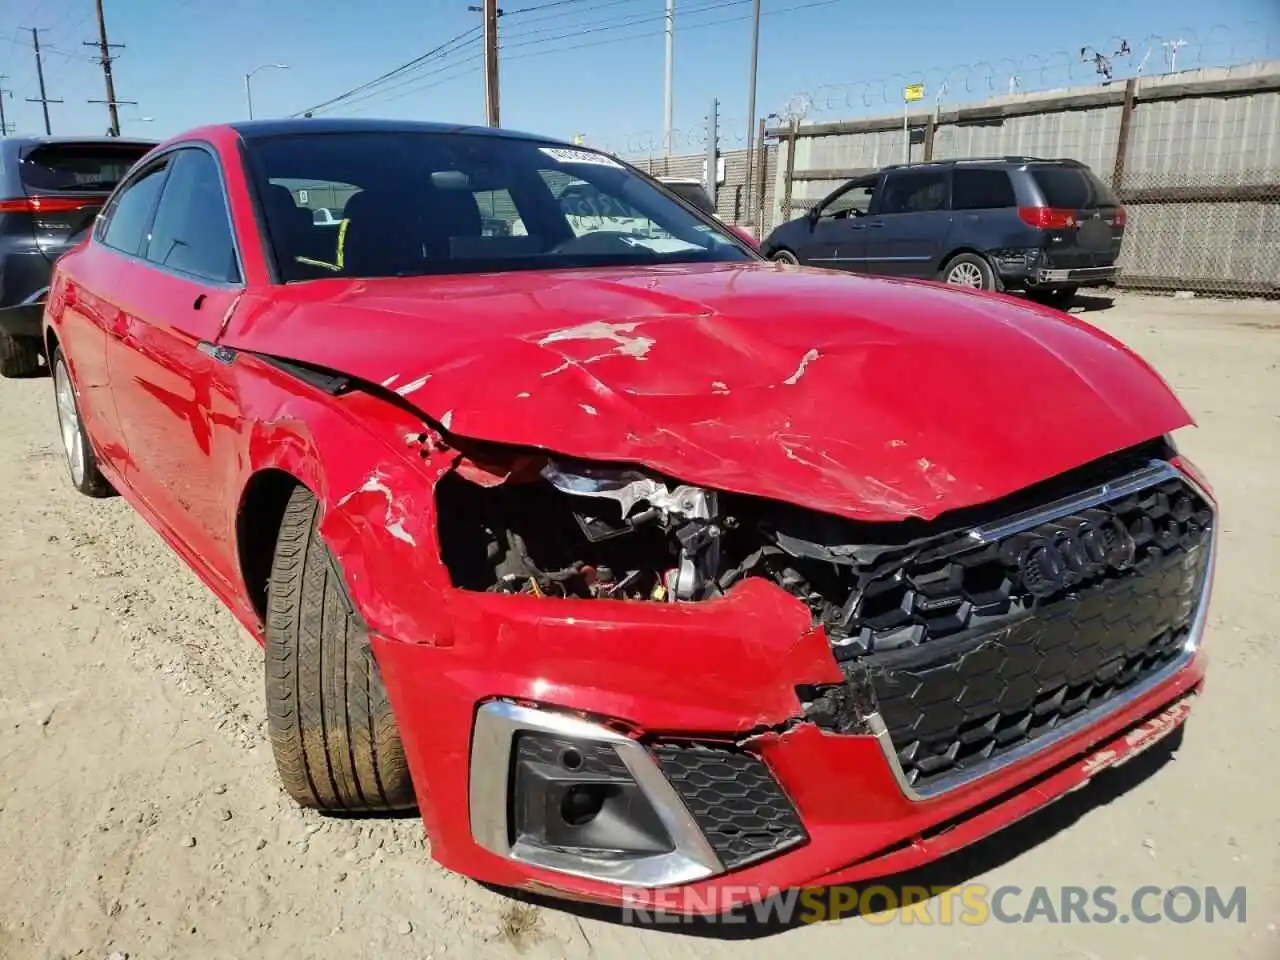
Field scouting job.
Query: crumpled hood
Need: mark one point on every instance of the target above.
(869, 398)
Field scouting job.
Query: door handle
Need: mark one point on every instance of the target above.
(874, 226)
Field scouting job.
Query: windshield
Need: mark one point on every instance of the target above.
(410, 204)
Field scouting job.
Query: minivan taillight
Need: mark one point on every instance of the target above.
(1047, 218)
(1121, 217)
(44, 204)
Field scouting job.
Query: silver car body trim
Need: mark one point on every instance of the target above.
(498, 722)
(1158, 471)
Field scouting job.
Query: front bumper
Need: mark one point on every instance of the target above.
(634, 677)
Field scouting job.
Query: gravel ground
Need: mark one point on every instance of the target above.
(140, 814)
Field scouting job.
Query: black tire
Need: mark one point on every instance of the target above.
(19, 356)
(332, 731)
(785, 256)
(82, 462)
(1060, 298)
(970, 271)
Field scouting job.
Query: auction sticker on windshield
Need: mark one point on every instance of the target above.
(579, 156)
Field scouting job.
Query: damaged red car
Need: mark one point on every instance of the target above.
(636, 563)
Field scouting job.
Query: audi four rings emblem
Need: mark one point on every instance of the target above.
(1053, 561)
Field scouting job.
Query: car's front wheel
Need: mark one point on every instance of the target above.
(784, 256)
(969, 270)
(81, 460)
(334, 737)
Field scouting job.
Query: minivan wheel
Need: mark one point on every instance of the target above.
(969, 270)
(785, 256)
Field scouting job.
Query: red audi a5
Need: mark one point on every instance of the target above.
(634, 562)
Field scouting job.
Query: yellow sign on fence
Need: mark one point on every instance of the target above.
(913, 92)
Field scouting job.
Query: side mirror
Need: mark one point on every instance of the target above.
(812, 214)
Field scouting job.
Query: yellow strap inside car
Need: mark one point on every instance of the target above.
(340, 256)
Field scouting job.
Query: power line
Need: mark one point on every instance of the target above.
(395, 71)
(620, 22)
(655, 33)
(445, 62)
(473, 67)
(558, 15)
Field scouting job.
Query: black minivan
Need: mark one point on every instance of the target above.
(1010, 223)
(51, 189)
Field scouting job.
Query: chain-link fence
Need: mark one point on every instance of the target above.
(1212, 233)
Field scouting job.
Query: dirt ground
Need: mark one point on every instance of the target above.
(140, 814)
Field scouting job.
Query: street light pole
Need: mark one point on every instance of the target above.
(248, 88)
(751, 108)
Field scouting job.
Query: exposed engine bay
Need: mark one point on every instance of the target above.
(557, 528)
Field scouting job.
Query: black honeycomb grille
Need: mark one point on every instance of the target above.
(734, 799)
(959, 703)
(958, 586)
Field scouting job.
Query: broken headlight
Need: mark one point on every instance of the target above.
(584, 531)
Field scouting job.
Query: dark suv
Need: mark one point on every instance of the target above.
(1010, 223)
(50, 191)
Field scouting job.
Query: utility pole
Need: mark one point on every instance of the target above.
(105, 58)
(43, 99)
(668, 88)
(491, 14)
(4, 124)
(751, 107)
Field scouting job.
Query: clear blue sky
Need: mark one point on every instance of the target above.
(185, 59)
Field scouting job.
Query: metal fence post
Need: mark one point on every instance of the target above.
(1122, 141)
(792, 136)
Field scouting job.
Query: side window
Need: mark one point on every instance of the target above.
(981, 190)
(132, 208)
(856, 201)
(498, 214)
(192, 232)
(914, 191)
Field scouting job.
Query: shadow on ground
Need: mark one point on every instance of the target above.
(961, 867)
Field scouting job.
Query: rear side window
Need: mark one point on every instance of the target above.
(72, 168)
(130, 212)
(1072, 188)
(981, 190)
(914, 191)
(192, 232)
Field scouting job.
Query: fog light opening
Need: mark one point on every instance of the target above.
(582, 804)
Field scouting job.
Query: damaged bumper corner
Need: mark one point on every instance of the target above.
(653, 704)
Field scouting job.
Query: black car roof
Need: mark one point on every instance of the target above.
(253, 129)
